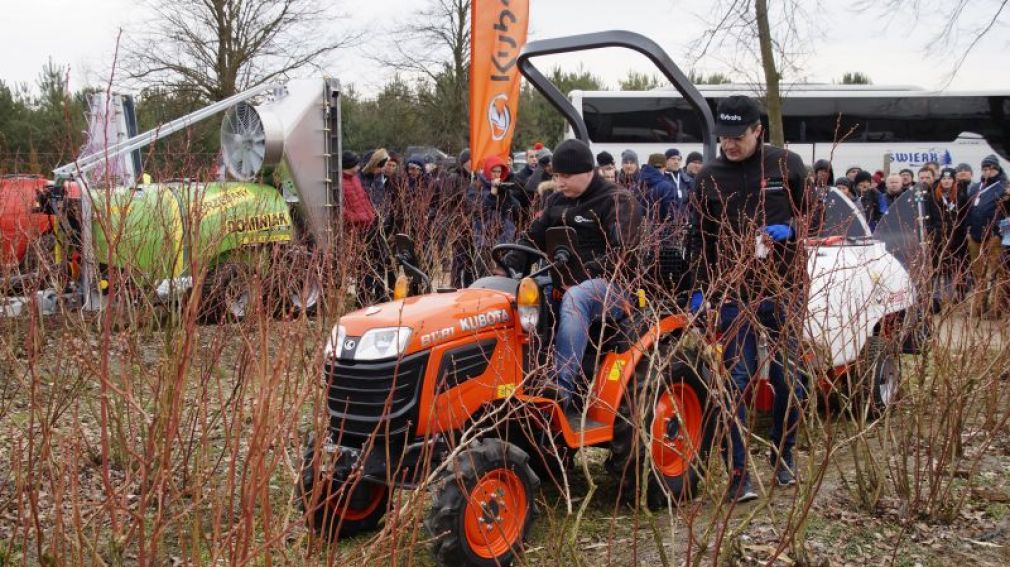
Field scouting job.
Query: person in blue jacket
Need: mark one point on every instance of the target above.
(656, 194)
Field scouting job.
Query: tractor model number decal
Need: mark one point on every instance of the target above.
(478, 322)
(436, 337)
(258, 222)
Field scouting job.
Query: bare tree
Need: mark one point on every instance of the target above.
(779, 34)
(434, 45)
(220, 47)
(965, 23)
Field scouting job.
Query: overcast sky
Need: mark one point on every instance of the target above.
(889, 47)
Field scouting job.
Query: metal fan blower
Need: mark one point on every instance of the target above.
(291, 126)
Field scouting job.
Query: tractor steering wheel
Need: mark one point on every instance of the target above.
(498, 255)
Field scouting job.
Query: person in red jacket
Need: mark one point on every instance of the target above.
(358, 213)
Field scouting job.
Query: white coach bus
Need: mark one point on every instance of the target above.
(874, 127)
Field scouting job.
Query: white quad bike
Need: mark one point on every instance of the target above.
(864, 310)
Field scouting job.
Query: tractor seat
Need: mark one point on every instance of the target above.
(499, 283)
(618, 336)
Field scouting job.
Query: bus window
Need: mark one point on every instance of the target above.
(810, 120)
(640, 120)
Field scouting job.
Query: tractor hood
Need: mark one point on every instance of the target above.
(435, 318)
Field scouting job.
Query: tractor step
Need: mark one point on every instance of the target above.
(574, 419)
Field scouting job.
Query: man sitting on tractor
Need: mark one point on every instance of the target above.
(605, 218)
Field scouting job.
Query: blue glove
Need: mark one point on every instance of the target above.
(779, 232)
(696, 301)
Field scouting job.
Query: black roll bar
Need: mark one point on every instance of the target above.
(615, 38)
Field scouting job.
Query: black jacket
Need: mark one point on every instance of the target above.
(605, 218)
(987, 206)
(946, 223)
(733, 202)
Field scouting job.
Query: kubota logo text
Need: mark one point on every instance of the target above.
(477, 322)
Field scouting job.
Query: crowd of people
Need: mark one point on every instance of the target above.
(385, 194)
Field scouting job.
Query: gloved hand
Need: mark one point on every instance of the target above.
(779, 232)
(697, 300)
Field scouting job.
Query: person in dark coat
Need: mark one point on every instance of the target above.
(947, 206)
(604, 218)
(606, 167)
(681, 180)
(457, 211)
(494, 204)
(987, 206)
(868, 197)
(824, 174)
(891, 191)
(629, 175)
(379, 275)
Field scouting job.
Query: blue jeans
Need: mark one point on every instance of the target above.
(740, 338)
(580, 307)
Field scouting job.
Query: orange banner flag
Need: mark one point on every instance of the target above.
(497, 33)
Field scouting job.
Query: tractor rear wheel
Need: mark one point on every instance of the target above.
(676, 441)
(484, 506)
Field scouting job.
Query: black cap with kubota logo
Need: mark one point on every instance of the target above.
(734, 115)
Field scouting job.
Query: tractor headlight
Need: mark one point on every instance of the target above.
(335, 343)
(386, 342)
(528, 300)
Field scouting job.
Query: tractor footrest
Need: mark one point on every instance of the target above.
(575, 421)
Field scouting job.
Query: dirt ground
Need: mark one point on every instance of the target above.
(838, 530)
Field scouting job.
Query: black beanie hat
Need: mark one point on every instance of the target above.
(843, 182)
(863, 175)
(571, 157)
(464, 156)
(349, 159)
(694, 157)
(991, 161)
(604, 158)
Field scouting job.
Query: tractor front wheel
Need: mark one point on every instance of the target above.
(334, 506)
(484, 506)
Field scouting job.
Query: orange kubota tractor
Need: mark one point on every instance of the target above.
(431, 387)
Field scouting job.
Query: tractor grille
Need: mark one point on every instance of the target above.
(463, 363)
(374, 398)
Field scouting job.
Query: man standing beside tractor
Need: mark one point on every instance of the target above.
(605, 218)
(749, 206)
